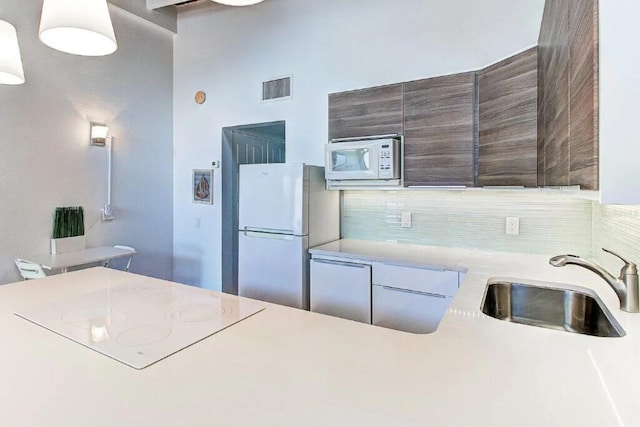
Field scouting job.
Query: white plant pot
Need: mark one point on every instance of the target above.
(68, 244)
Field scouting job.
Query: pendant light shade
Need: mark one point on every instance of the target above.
(79, 27)
(11, 71)
(238, 2)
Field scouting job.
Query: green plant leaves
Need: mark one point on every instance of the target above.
(68, 222)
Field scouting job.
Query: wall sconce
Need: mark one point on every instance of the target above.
(11, 71)
(99, 134)
(99, 138)
(79, 27)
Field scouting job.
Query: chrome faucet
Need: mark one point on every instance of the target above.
(626, 286)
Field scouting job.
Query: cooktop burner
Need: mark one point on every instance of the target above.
(84, 317)
(196, 313)
(141, 323)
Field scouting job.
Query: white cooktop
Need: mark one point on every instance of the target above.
(142, 323)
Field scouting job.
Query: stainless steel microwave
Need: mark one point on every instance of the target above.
(364, 162)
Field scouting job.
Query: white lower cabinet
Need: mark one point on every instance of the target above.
(408, 310)
(411, 299)
(341, 288)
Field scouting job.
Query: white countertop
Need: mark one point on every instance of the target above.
(286, 367)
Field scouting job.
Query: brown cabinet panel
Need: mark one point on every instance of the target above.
(556, 96)
(508, 112)
(583, 89)
(541, 127)
(439, 130)
(366, 112)
(568, 98)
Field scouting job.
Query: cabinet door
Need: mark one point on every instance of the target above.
(508, 104)
(439, 131)
(366, 112)
(583, 90)
(408, 310)
(341, 289)
(568, 98)
(554, 74)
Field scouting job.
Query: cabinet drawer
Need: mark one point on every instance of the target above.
(443, 282)
(342, 289)
(408, 311)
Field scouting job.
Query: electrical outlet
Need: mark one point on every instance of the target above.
(512, 226)
(108, 213)
(405, 220)
(215, 164)
(198, 221)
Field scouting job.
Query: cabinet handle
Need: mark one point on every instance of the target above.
(341, 263)
(409, 291)
(417, 268)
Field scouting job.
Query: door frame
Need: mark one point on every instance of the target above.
(229, 197)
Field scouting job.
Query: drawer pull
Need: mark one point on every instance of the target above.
(341, 263)
(409, 291)
(416, 268)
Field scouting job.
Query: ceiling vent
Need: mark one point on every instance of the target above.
(276, 89)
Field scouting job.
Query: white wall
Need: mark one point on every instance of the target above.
(328, 46)
(45, 157)
(619, 93)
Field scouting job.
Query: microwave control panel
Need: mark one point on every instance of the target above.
(386, 161)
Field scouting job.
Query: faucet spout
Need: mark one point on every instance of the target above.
(618, 286)
(626, 287)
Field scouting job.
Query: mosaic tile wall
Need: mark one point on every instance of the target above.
(616, 228)
(549, 223)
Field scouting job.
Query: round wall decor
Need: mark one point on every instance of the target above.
(200, 97)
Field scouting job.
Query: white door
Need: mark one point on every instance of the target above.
(273, 268)
(341, 289)
(272, 198)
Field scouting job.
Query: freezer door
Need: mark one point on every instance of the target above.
(273, 198)
(274, 268)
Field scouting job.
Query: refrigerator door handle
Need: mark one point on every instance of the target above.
(263, 235)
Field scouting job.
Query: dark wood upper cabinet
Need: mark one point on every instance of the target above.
(529, 120)
(583, 89)
(508, 104)
(366, 112)
(439, 118)
(554, 65)
(568, 103)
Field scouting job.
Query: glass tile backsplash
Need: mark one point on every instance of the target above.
(616, 228)
(549, 223)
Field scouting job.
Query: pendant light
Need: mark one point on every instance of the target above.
(238, 2)
(11, 71)
(79, 27)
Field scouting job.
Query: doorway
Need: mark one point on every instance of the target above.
(245, 144)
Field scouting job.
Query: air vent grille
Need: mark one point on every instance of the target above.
(276, 89)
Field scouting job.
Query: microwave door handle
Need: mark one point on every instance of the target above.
(374, 161)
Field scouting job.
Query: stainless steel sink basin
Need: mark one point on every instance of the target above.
(578, 311)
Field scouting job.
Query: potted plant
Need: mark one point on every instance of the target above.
(68, 230)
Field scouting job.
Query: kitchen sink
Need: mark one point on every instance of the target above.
(577, 310)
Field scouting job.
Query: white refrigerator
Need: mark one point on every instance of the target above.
(284, 209)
